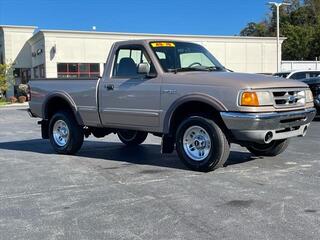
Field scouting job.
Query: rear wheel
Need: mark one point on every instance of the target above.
(269, 150)
(201, 144)
(132, 137)
(65, 135)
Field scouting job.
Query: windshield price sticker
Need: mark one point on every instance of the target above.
(162, 44)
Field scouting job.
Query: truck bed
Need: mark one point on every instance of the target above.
(81, 92)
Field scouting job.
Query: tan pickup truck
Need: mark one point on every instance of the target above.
(179, 92)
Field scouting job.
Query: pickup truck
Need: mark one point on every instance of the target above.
(177, 91)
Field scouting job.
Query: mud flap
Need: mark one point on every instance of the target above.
(167, 144)
(44, 129)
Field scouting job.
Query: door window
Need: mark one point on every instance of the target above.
(127, 61)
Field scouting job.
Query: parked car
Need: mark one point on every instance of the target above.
(314, 84)
(177, 91)
(298, 75)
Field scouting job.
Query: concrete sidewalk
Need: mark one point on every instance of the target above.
(15, 105)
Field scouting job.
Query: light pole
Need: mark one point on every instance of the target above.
(278, 5)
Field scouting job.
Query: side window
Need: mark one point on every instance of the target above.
(127, 61)
(314, 74)
(299, 75)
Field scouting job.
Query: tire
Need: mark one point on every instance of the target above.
(269, 150)
(206, 156)
(73, 133)
(132, 137)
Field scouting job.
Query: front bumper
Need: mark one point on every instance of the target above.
(266, 127)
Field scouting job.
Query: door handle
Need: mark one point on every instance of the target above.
(109, 86)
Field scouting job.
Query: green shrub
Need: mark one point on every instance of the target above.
(22, 99)
(22, 90)
(12, 99)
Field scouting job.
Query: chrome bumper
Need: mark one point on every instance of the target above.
(265, 127)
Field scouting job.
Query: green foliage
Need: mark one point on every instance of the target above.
(298, 45)
(255, 29)
(6, 77)
(299, 23)
(23, 90)
(3, 80)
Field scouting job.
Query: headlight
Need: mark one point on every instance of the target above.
(309, 96)
(256, 99)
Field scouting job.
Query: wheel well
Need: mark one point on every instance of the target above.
(195, 108)
(56, 104)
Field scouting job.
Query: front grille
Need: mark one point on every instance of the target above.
(289, 98)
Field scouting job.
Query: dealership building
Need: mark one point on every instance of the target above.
(39, 53)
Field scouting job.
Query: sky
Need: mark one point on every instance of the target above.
(202, 17)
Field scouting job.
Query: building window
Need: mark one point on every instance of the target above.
(39, 71)
(42, 71)
(36, 72)
(78, 70)
(25, 75)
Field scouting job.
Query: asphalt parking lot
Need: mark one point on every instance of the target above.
(109, 191)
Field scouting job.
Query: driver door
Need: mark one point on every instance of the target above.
(129, 99)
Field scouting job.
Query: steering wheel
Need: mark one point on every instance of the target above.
(195, 63)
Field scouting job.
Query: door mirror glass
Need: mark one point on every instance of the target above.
(143, 68)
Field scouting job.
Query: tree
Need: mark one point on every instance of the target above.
(6, 77)
(299, 23)
(314, 5)
(255, 29)
(298, 44)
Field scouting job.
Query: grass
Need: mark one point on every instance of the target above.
(3, 103)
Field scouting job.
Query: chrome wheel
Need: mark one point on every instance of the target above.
(61, 133)
(196, 143)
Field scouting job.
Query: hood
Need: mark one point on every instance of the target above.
(239, 80)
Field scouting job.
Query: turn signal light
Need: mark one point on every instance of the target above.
(249, 99)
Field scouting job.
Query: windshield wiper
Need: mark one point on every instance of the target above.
(200, 69)
(187, 69)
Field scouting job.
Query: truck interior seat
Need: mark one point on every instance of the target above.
(127, 67)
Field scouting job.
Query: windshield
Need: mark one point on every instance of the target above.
(182, 56)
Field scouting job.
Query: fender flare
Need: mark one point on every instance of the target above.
(67, 98)
(194, 97)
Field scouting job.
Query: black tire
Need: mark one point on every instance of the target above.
(219, 150)
(269, 150)
(76, 134)
(132, 137)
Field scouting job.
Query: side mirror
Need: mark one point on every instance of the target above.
(143, 68)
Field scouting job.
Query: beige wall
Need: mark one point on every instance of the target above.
(252, 55)
(16, 47)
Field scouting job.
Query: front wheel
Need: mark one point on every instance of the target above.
(132, 137)
(201, 144)
(269, 150)
(65, 135)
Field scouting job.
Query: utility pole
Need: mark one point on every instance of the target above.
(278, 5)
